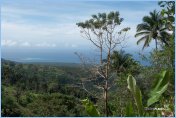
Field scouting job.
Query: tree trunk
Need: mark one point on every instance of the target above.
(106, 98)
(106, 86)
(107, 76)
(156, 44)
(101, 58)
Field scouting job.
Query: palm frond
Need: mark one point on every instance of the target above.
(142, 33)
(147, 41)
(143, 26)
(142, 39)
(152, 28)
(148, 20)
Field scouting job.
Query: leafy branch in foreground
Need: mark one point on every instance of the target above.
(90, 108)
(159, 87)
(136, 93)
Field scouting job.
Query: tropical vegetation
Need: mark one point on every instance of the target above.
(116, 85)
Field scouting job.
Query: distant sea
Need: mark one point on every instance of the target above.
(65, 56)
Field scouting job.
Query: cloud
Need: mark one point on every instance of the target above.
(38, 16)
(26, 44)
(30, 59)
(40, 25)
(35, 34)
(44, 44)
(67, 45)
(8, 43)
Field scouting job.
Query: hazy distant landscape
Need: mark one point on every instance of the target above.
(62, 57)
(87, 58)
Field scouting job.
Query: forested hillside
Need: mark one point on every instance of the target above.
(48, 89)
(41, 90)
(114, 85)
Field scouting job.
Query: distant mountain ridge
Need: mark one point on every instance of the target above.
(8, 61)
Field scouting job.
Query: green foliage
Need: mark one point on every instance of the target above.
(30, 97)
(55, 90)
(129, 110)
(9, 106)
(40, 88)
(90, 108)
(136, 93)
(152, 28)
(123, 62)
(55, 105)
(159, 87)
(102, 20)
(168, 12)
(156, 93)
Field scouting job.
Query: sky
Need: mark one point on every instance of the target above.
(45, 30)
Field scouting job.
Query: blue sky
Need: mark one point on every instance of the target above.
(46, 29)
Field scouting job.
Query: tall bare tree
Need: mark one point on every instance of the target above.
(93, 30)
(103, 31)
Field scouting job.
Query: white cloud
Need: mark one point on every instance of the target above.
(58, 34)
(44, 44)
(62, 31)
(67, 45)
(26, 44)
(8, 43)
(29, 59)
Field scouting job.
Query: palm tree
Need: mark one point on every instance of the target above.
(152, 28)
(121, 61)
